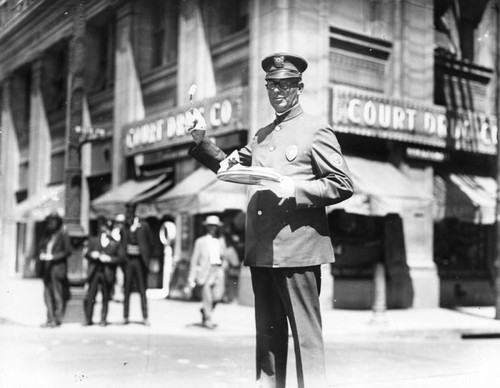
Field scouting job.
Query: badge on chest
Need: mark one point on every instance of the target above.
(291, 152)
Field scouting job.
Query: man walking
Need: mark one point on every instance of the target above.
(207, 268)
(287, 234)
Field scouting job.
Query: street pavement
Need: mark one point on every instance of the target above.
(21, 302)
(400, 348)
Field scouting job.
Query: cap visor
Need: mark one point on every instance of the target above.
(282, 74)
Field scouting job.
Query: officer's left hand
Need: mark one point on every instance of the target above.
(283, 189)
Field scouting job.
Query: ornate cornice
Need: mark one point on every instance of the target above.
(46, 24)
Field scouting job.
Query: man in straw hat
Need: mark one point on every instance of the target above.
(287, 234)
(207, 268)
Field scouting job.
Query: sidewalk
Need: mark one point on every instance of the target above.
(21, 303)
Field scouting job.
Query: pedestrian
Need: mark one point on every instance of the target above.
(287, 233)
(54, 250)
(137, 241)
(232, 269)
(116, 234)
(103, 255)
(206, 269)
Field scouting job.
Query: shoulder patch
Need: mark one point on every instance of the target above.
(336, 160)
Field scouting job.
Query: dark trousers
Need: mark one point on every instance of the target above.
(97, 279)
(282, 296)
(54, 285)
(135, 269)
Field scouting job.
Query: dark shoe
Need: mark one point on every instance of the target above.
(87, 323)
(125, 321)
(103, 323)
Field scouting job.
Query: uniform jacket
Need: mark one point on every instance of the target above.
(113, 249)
(144, 240)
(61, 250)
(304, 148)
(199, 268)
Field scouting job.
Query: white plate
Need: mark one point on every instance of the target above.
(249, 175)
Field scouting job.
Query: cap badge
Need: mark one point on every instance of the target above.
(291, 152)
(279, 61)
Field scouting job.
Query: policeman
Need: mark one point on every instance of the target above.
(287, 234)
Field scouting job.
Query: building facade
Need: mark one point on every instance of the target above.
(94, 95)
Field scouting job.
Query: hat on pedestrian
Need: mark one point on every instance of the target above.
(120, 217)
(212, 220)
(284, 65)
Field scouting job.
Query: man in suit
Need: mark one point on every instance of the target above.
(103, 255)
(287, 234)
(137, 243)
(207, 268)
(54, 250)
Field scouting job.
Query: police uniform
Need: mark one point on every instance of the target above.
(287, 240)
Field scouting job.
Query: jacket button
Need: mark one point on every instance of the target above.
(278, 128)
(259, 212)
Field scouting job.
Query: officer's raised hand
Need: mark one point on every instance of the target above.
(195, 124)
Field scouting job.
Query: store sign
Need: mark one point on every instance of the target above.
(222, 113)
(426, 154)
(378, 116)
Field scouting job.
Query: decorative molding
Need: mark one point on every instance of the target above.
(358, 60)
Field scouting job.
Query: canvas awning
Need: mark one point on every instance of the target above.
(38, 206)
(201, 192)
(380, 188)
(468, 198)
(130, 191)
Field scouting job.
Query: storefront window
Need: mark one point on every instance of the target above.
(461, 249)
(358, 243)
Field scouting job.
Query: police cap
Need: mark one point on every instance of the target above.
(284, 65)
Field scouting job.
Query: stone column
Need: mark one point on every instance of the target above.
(40, 142)
(288, 25)
(40, 153)
(9, 173)
(128, 102)
(195, 59)
(301, 28)
(418, 227)
(413, 51)
(413, 78)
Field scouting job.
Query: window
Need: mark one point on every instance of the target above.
(164, 32)
(100, 53)
(455, 24)
(225, 17)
